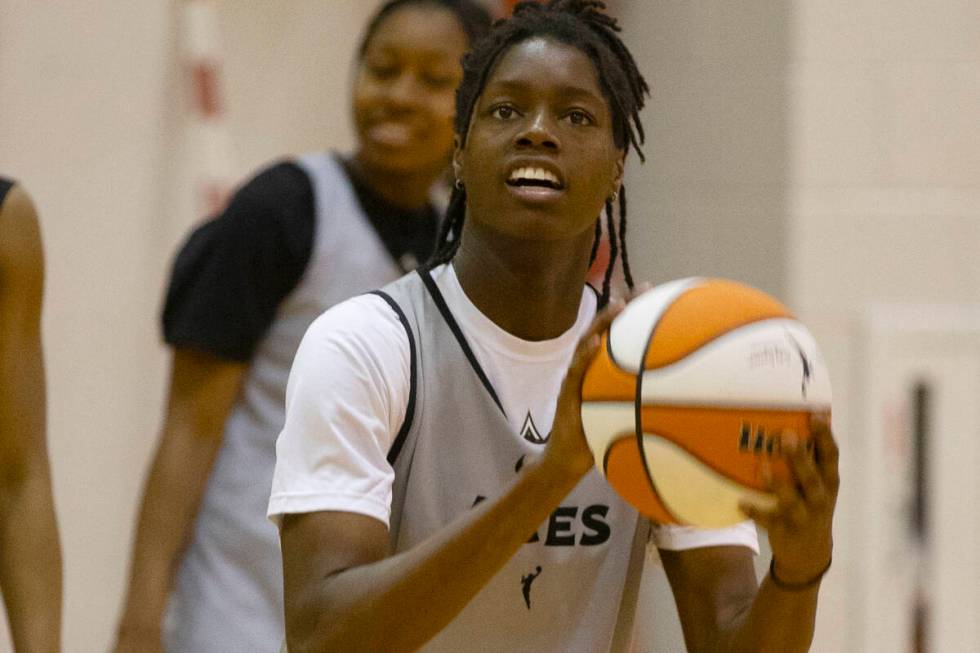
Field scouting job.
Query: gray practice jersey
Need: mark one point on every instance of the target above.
(576, 578)
(228, 593)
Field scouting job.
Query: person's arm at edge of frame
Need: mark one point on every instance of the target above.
(722, 609)
(356, 596)
(203, 388)
(30, 552)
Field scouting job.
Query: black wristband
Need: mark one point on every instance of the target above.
(797, 587)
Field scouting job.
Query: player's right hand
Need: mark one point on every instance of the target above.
(567, 446)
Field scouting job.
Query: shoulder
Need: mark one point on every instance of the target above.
(283, 179)
(353, 366)
(270, 217)
(278, 194)
(366, 328)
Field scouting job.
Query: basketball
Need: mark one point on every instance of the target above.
(695, 384)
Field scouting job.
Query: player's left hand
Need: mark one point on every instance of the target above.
(800, 526)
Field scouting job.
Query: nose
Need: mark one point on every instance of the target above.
(405, 91)
(538, 132)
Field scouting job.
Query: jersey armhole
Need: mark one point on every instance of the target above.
(399, 441)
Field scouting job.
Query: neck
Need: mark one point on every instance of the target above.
(406, 190)
(531, 289)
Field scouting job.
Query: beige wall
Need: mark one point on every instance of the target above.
(712, 197)
(827, 152)
(885, 207)
(89, 120)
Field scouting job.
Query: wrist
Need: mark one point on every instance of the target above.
(796, 582)
(571, 464)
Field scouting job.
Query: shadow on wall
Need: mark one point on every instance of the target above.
(712, 197)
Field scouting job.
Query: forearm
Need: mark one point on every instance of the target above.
(400, 602)
(30, 562)
(778, 621)
(30, 553)
(171, 498)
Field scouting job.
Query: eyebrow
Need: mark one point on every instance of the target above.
(566, 90)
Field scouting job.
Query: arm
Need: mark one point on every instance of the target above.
(345, 592)
(30, 554)
(720, 606)
(202, 391)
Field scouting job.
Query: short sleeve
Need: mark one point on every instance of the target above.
(346, 399)
(234, 271)
(680, 538)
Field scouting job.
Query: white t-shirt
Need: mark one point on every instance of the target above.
(348, 392)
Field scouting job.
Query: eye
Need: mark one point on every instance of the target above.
(438, 80)
(382, 71)
(503, 112)
(579, 117)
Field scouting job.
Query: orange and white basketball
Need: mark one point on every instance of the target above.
(696, 383)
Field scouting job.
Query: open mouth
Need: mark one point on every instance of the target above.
(535, 178)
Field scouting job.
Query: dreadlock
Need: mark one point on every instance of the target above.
(472, 16)
(583, 25)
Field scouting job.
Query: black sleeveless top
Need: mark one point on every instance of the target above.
(5, 186)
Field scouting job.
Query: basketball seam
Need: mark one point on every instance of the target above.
(731, 405)
(605, 456)
(637, 406)
(653, 485)
(704, 344)
(670, 437)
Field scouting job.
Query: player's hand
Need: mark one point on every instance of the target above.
(567, 446)
(800, 526)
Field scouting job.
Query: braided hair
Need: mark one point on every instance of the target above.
(472, 16)
(583, 25)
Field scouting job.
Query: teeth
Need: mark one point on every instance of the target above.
(533, 174)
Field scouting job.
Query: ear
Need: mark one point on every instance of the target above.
(619, 169)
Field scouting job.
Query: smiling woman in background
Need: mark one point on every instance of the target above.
(299, 237)
(30, 554)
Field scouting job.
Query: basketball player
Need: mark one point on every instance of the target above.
(433, 487)
(30, 554)
(299, 237)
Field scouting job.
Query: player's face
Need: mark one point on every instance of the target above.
(541, 114)
(404, 91)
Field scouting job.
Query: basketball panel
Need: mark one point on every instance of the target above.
(630, 331)
(625, 471)
(606, 381)
(693, 492)
(734, 443)
(705, 312)
(605, 422)
(773, 363)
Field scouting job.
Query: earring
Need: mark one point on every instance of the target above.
(615, 196)
(459, 184)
